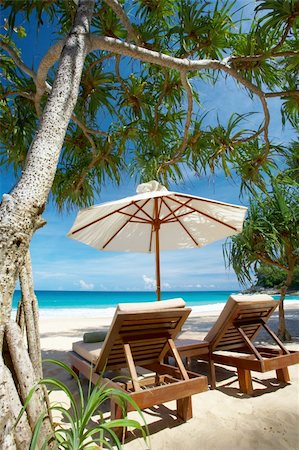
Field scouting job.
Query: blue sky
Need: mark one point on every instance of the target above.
(63, 264)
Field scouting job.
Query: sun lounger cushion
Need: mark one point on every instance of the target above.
(152, 306)
(90, 352)
(95, 336)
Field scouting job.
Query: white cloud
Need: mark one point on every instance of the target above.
(149, 283)
(166, 285)
(86, 286)
(44, 275)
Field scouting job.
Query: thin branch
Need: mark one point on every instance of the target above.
(98, 61)
(86, 129)
(118, 76)
(253, 88)
(42, 86)
(160, 98)
(20, 93)
(271, 262)
(260, 57)
(182, 65)
(282, 94)
(52, 55)
(119, 11)
(86, 134)
(250, 138)
(182, 147)
(19, 63)
(285, 34)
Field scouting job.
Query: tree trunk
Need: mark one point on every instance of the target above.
(20, 211)
(283, 333)
(33, 338)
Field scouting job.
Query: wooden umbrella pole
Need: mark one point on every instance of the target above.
(157, 228)
(158, 264)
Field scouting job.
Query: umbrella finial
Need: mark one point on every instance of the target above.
(150, 186)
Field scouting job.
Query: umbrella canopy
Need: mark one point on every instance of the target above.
(156, 219)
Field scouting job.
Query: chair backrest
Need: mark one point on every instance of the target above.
(146, 327)
(246, 310)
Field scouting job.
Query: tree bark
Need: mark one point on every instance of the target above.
(20, 319)
(33, 339)
(10, 406)
(20, 211)
(283, 333)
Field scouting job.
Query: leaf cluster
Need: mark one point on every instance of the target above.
(134, 114)
(78, 430)
(270, 234)
(273, 277)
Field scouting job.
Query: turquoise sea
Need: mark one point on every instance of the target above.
(83, 303)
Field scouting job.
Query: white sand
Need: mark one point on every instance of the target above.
(223, 419)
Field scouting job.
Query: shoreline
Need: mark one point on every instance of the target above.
(108, 312)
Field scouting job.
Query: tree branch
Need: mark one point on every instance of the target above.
(119, 11)
(117, 72)
(160, 99)
(52, 55)
(182, 65)
(42, 86)
(19, 63)
(285, 34)
(250, 138)
(150, 56)
(252, 58)
(20, 93)
(253, 88)
(86, 129)
(182, 147)
(86, 134)
(97, 61)
(282, 94)
(266, 259)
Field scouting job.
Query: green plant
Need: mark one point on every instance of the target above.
(77, 430)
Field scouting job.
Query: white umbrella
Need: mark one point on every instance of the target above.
(156, 219)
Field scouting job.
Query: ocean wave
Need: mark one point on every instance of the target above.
(86, 313)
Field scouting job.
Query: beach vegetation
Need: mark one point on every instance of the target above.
(78, 422)
(274, 277)
(122, 88)
(269, 242)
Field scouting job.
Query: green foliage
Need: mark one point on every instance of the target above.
(272, 277)
(143, 106)
(270, 233)
(78, 430)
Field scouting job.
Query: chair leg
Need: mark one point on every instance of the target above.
(77, 372)
(245, 381)
(117, 413)
(188, 362)
(184, 408)
(212, 373)
(283, 375)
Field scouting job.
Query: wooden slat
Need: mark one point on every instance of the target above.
(178, 360)
(173, 391)
(131, 367)
(153, 326)
(150, 320)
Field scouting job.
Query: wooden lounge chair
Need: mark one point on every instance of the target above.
(231, 341)
(139, 338)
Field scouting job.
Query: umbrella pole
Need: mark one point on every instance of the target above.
(157, 228)
(158, 283)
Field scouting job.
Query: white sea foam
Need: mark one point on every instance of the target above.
(204, 310)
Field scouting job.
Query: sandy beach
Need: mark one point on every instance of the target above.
(223, 419)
